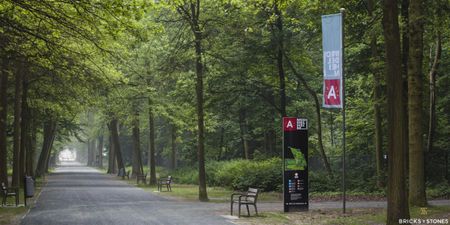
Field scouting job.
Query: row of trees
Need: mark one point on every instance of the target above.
(195, 81)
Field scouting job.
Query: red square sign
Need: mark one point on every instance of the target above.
(289, 123)
(332, 93)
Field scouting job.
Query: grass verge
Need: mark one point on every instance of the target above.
(11, 215)
(190, 192)
(364, 216)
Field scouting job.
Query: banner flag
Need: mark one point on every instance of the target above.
(332, 60)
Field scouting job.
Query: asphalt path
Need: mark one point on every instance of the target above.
(76, 194)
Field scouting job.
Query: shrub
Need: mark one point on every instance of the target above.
(241, 174)
(237, 174)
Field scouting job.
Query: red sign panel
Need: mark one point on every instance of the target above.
(289, 123)
(332, 93)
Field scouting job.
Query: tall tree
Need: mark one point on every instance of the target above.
(100, 150)
(3, 120)
(113, 126)
(378, 137)
(280, 43)
(151, 147)
(313, 95)
(111, 155)
(396, 192)
(173, 155)
(190, 11)
(137, 159)
(49, 133)
(432, 108)
(415, 89)
(16, 179)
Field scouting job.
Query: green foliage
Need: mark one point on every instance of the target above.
(440, 190)
(237, 174)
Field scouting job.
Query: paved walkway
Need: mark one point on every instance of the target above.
(77, 194)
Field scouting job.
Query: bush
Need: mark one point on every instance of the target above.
(241, 174)
(321, 182)
(237, 174)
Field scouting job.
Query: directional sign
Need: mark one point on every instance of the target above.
(295, 160)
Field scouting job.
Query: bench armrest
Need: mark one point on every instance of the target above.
(12, 189)
(236, 194)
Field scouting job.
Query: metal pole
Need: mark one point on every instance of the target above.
(342, 10)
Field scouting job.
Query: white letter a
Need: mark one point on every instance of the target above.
(289, 125)
(331, 93)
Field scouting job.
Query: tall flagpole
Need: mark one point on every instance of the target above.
(342, 10)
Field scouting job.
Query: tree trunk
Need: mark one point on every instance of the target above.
(192, 14)
(173, 157)
(25, 129)
(3, 120)
(203, 196)
(111, 154)
(115, 138)
(100, 151)
(49, 136)
(433, 75)
(396, 192)
(221, 143)
(31, 150)
(280, 50)
(152, 151)
(137, 160)
(89, 152)
(91, 142)
(416, 154)
(16, 179)
(404, 55)
(378, 137)
(244, 134)
(313, 94)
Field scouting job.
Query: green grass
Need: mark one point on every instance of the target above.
(334, 216)
(379, 217)
(11, 215)
(190, 192)
(215, 194)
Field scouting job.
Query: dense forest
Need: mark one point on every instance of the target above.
(199, 87)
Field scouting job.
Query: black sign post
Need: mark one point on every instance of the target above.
(295, 164)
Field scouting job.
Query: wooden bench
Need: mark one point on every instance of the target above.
(248, 198)
(122, 173)
(141, 177)
(165, 182)
(9, 192)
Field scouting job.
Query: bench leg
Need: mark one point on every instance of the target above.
(248, 211)
(17, 199)
(231, 206)
(256, 209)
(239, 210)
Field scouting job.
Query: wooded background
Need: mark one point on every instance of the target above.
(191, 84)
